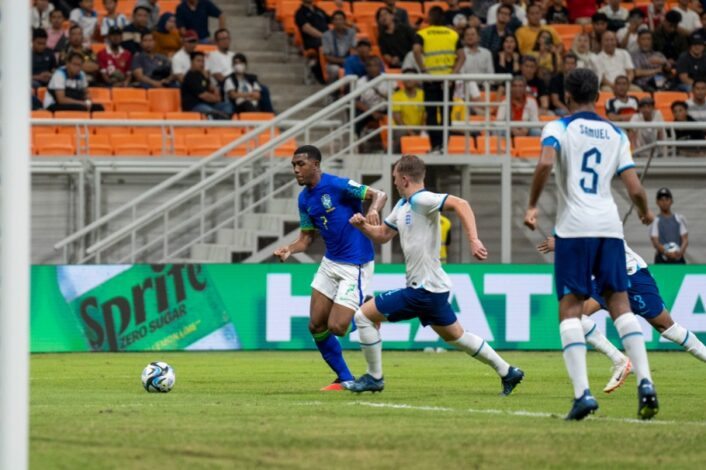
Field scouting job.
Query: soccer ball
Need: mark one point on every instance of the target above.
(158, 377)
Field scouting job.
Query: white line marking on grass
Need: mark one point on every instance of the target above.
(523, 413)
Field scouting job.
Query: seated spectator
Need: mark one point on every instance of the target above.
(151, 70)
(57, 34)
(680, 111)
(492, 36)
(691, 65)
(478, 59)
(507, 60)
(668, 40)
(194, 14)
(557, 13)
(132, 34)
(523, 108)
(690, 20)
(43, 60)
(651, 67)
(371, 98)
(646, 135)
(355, 64)
(527, 35)
(455, 10)
(399, 14)
(166, 35)
(154, 11)
(656, 13)
(68, 88)
(197, 93)
(75, 45)
(337, 43)
(627, 35)
(114, 61)
(548, 56)
(581, 48)
(536, 88)
(617, 15)
(613, 62)
(581, 11)
(697, 102)
(407, 109)
(241, 88)
(395, 40)
(312, 22)
(557, 97)
(112, 18)
(219, 63)
(622, 106)
(87, 18)
(519, 17)
(181, 62)
(599, 23)
(41, 12)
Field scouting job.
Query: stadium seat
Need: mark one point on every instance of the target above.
(42, 114)
(257, 116)
(526, 146)
(164, 145)
(36, 130)
(460, 145)
(201, 145)
(164, 100)
(71, 129)
(102, 96)
(567, 29)
(41, 93)
(227, 134)
(668, 97)
(414, 10)
(416, 145)
(603, 98)
(130, 99)
(545, 118)
(54, 145)
(99, 145)
(168, 6)
(496, 145)
(185, 116)
(130, 145)
(111, 115)
(147, 117)
(96, 47)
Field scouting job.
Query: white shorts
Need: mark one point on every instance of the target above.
(343, 283)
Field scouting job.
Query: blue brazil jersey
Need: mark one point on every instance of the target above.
(327, 207)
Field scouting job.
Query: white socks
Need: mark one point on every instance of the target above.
(574, 346)
(597, 339)
(685, 338)
(634, 343)
(476, 347)
(370, 343)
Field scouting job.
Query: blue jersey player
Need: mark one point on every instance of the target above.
(645, 301)
(325, 205)
(589, 151)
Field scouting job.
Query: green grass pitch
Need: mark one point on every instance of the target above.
(264, 410)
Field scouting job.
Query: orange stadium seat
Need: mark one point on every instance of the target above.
(164, 100)
(50, 130)
(73, 128)
(168, 6)
(227, 134)
(130, 145)
(185, 116)
(206, 48)
(414, 144)
(567, 29)
(142, 116)
(54, 145)
(102, 96)
(668, 97)
(414, 10)
(496, 145)
(96, 47)
(111, 115)
(161, 145)
(99, 146)
(130, 99)
(201, 145)
(526, 146)
(126, 6)
(460, 145)
(41, 93)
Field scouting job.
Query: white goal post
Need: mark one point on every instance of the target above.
(15, 83)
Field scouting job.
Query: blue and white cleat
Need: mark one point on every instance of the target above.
(365, 383)
(583, 406)
(511, 380)
(647, 400)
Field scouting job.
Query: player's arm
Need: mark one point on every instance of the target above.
(377, 200)
(539, 181)
(301, 244)
(637, 195)
(377, 233)
(468, 221)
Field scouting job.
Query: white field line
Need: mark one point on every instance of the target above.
(523, 413)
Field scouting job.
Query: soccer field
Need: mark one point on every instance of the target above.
(264, 410)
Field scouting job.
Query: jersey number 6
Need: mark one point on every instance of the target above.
(589, 184)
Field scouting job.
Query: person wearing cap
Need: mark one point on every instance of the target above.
(395, 40)
(194, 14)
(114, 61)
(627, 35)
(132, 33)
(668, 228)
(652, 68)
(667, 38)
(181, 61)
(112, 18)
(646, 135)
(337, 43)
(690, 20)
(355, 63)
(691, 65)
(697, 102)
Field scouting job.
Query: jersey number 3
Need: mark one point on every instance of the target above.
(591, 159)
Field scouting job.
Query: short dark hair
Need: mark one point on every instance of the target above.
(74, 27)
(636, 12)
(196, 54)
(411, 166)
(436, 16)
(509, 9)
(599, 17)
(39, 33)
(73, 55)
(144, 35)
(528, 58)
(621, 77)
(240, 57)
(582, 84)
(311, 152)
(339, 13)
(683, 104)
(147, 10)
(56, 10)
(219, 31)
(571, 55)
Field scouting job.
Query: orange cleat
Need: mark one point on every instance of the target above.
(335, 386)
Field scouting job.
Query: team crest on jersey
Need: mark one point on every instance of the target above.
(326, 202)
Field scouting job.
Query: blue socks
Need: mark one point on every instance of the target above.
(330, 350)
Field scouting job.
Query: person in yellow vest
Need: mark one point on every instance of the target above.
(437, 51)
(445, 226)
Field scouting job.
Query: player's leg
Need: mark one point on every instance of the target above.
(367, 318)
(674, 332)
(350, 295)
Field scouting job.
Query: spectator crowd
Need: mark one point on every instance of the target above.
(75, 47)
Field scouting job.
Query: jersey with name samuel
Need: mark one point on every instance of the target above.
(327, 207)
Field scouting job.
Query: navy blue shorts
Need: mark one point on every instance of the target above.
(578, 260)
(432, 308)
(643, 295)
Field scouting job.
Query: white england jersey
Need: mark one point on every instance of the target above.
(590, 151)
(633, 260)
(417, 221)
